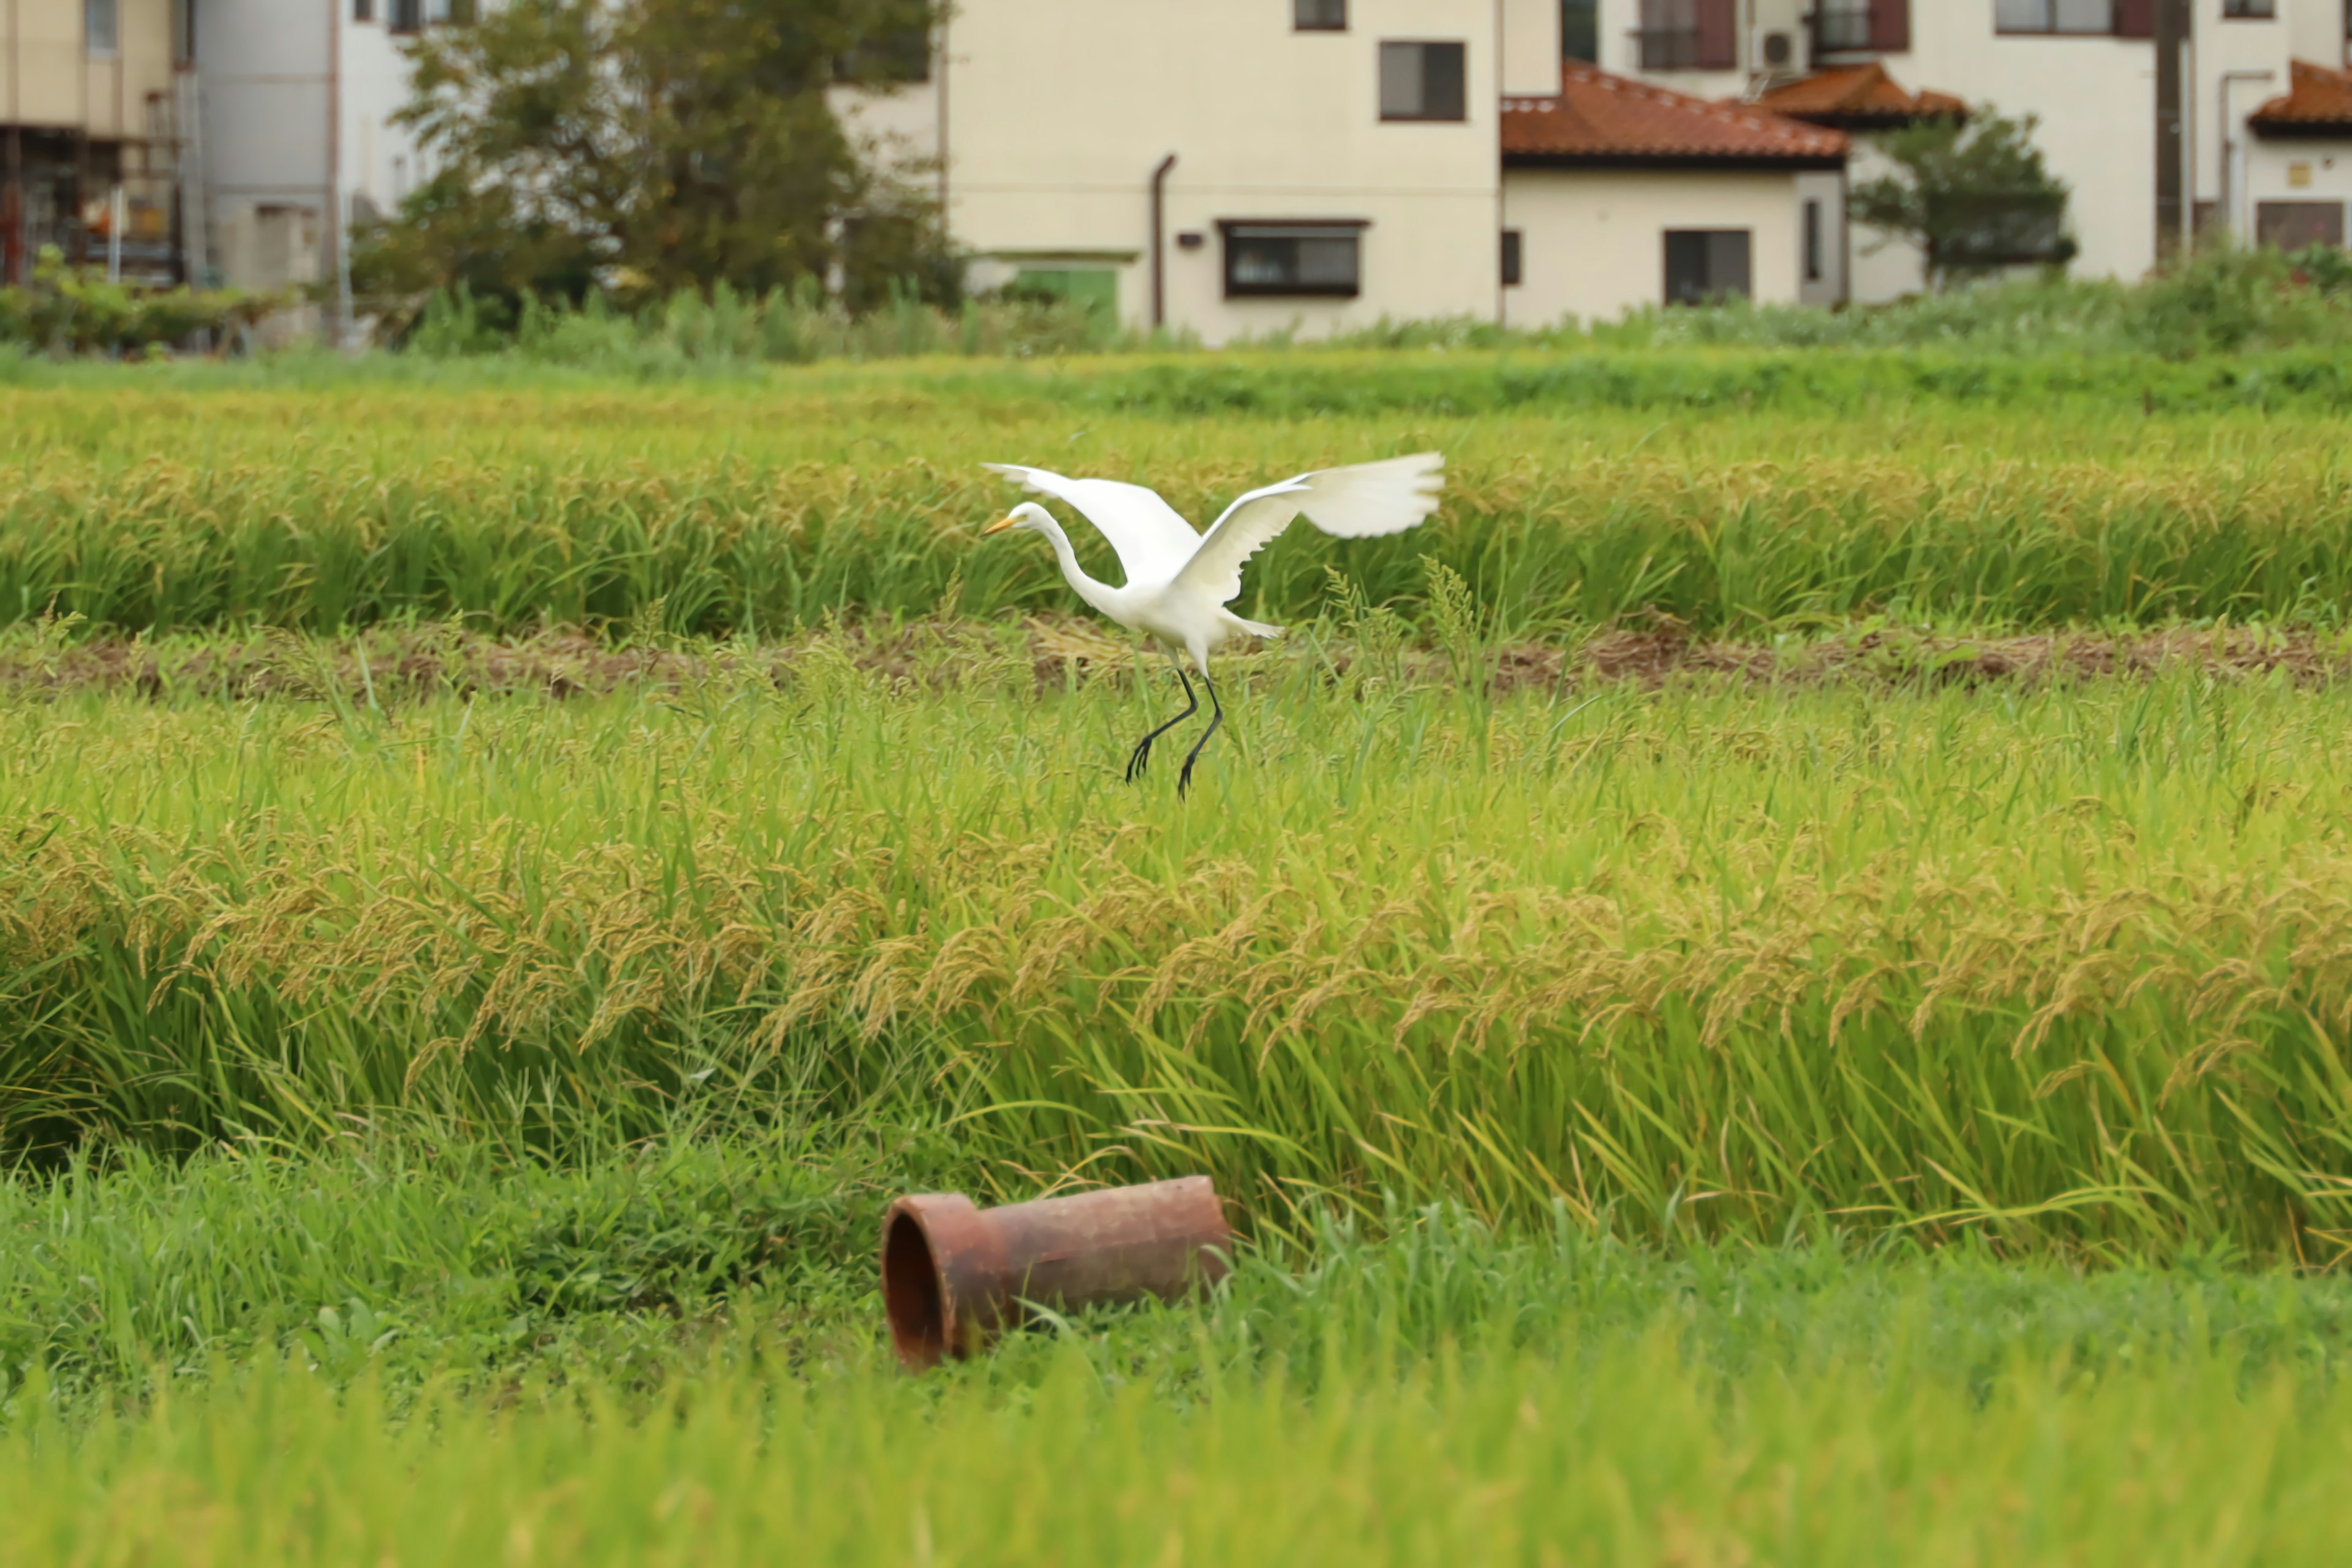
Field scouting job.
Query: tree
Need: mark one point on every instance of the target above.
(646, 146)
(1973, 195)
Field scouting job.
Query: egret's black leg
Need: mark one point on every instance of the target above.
(1184, 779)
(1143, 752)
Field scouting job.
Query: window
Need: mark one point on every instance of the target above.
(1707, 266)
(2264, 10)
(1689, 34)
(183, 36)
(2298, 226)
(2054, 15)
(1813, 240)
(1842, 24)
(404, 15)
(1423, 82)
(1277, 259)
(1511, 253)
(363, 10)
(1580, 30)
(1319, 15)
(101, 32)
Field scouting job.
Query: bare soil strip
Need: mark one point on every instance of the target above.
(389, 665)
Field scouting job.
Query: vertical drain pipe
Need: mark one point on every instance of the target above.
(1159, 247)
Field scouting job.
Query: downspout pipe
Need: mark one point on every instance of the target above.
(1159, 242)
(956, 1275)
(2232, 151)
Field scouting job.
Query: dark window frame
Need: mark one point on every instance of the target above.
(1816, 252)
(1584, 31)
(1461, 49)
(1715, 293)
(1244, 230)
(2238, 11)
(1514, 258)
(112, 47)
(363, 10)
(1321, 22)
(1708, 41)
(405, 18)
(1842, 27)
(2113, 29)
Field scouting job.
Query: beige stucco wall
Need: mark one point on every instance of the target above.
(1594, 244)
(48, 79)
(1058, 111)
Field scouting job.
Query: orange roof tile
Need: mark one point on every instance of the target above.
(1852, 97)
(2317, 102)
(1601, 120)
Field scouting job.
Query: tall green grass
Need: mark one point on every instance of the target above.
(1438, 1399)
(2065, 966)
(762, 510)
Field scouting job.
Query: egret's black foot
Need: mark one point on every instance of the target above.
(1216, 717)
(1139, 758)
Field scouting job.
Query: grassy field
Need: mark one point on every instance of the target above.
(760, 508)
(1773, 987)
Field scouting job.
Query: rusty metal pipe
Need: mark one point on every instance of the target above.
(954, 1275)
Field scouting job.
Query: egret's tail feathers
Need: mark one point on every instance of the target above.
(1258, 629)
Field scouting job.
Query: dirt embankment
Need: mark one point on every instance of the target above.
(405, 665)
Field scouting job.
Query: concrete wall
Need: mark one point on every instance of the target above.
(1594, 240)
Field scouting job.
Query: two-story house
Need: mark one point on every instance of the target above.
(93, 104)
(1256, 166)
(2261, 99)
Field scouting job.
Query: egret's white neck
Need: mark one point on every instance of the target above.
(1098, 594)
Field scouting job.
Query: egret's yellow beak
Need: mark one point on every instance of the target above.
(1000, 525)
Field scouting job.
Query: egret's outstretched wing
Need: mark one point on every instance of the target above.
(1153, 540)
(1357, 502)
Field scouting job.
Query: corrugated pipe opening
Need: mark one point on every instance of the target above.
(912, 1295)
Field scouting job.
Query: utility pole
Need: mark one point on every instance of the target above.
(2172, 25)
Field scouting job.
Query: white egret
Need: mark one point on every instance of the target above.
(1177, 581)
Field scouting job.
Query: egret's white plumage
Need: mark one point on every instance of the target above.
(1177, 581)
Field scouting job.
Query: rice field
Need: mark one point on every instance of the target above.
(1772, 987)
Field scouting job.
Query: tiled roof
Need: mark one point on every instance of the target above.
(1855, 97)
(1601, 121)
(2317, 102)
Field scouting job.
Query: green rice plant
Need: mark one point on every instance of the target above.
(1618, 1439)
(2062, 965)
(764, 510)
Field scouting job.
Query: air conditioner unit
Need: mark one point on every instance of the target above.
(1774, 49)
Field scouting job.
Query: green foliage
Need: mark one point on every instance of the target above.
(648, 148)
(75, 310)
(1916, 960)
(1440, 1397)
(357, 501)
(1974, 196)
(725, 331)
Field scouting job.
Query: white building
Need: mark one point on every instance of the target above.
(298, 142)
(2085, 69)
(1268, 166)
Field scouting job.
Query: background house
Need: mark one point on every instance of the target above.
(94, 99)
(298, 100)
(1319, 164)
(2085, 69)
(1618, 194)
